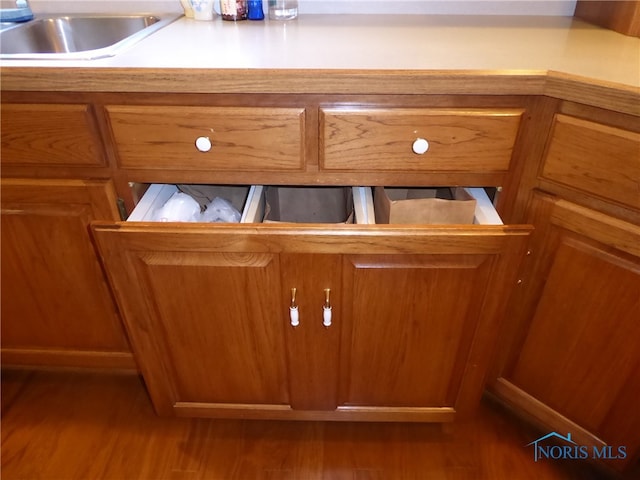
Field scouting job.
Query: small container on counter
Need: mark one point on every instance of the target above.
(186, 5)
(255, 10)
(283, 9)
(233, 10)
(202, 9)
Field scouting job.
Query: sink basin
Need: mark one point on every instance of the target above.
(78, 36)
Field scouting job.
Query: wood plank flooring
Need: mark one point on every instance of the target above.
(79, 425)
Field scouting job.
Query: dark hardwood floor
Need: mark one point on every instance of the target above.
(72, 425)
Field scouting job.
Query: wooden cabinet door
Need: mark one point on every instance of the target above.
(205, 316)
(413, 316)
(575, 365)
(56, 305)
(418, 329)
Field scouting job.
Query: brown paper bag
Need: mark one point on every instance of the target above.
(423, 206)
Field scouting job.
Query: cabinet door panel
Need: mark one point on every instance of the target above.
(205, 322)
(55, 299)
(580, 352)
(573, 364)
(411, 319)
(558, 362)
(213, 313)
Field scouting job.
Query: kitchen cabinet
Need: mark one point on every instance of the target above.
(555, 137)
(57, 309)
(571, 360)
(56, 306)
(414, 308)
(413, 316)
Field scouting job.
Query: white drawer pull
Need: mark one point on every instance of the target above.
(420, 146)
(294, 315)
(326, 316)
(326, 309)
(203, 144)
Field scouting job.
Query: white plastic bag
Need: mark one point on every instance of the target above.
(220, 210)
(179, 208)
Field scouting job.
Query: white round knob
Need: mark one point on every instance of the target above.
(203, 144)
(420, 146)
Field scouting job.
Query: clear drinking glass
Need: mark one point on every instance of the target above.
(283, 9)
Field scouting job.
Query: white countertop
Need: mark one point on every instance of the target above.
(504, 44)
(559, 57)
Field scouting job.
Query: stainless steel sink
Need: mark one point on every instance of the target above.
(78, 36)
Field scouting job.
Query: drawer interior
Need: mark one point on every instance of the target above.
(254, 203)
(247, 200)
(309, 204)
(484, 212)
(288, 204)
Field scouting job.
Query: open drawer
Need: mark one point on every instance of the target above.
(254, 204)
(247, 200)
(484, 211)
(257, 204)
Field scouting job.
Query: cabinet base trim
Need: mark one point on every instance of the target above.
(536, 412)
(68, 358)
(285, 412)
(397, 414)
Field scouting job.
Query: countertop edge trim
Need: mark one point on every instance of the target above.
(92, 79)
(613, 96)
(597, 93)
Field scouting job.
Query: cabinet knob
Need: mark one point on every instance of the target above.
(203, 144)
(420, 146)
(326, 308)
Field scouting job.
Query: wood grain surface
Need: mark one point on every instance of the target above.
(67, 425)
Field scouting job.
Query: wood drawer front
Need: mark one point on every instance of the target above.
(50, 134)
(381, 139)
(242, 138)
(595, 158)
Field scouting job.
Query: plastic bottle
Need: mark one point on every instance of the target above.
(255, 10)
(283, 9)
